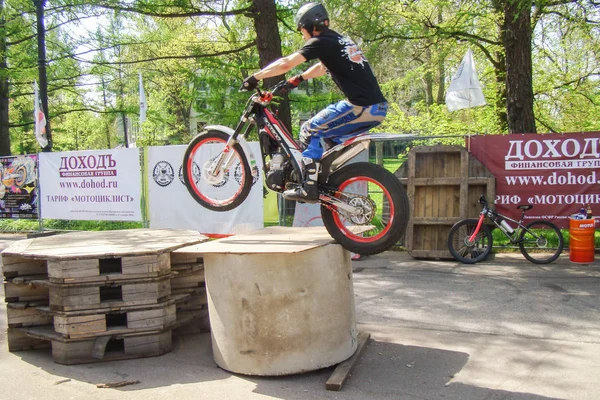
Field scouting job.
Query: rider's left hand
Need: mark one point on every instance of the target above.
(293, 83)
(250, 83)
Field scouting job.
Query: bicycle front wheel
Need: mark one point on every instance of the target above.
(465, 250)
(541, 242)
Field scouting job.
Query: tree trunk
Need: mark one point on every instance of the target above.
(268, 43)
(41, 43)
(105, 103)
(516, 37)
(501, 103)
(428, 78)
(4, 131)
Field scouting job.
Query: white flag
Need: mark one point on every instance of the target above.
(143, 104)
(39, 118)
(465, 89)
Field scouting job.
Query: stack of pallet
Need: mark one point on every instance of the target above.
(94, 296)
(188, 281)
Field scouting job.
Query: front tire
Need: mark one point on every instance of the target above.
(464, 250)
(383, 206)
(541, 242)
(225, 190)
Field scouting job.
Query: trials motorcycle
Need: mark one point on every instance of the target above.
(363, 206)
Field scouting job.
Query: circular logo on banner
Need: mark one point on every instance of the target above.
(163, 173)
(195, 173)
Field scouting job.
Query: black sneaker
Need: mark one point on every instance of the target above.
(307, 192)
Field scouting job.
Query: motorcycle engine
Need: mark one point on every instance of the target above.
(276, 176)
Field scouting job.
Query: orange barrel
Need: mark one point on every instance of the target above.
(581, 247)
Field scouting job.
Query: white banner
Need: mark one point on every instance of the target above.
(171, 206)
(91, 185)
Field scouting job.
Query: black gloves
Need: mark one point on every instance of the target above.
(293, 83)
(250, 83)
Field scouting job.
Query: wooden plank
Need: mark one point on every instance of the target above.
(149, 264)
(73, 269)
(26, 314)
(181, 257)
(18, 340)
(343, 370)
(24, 291)
(105, 244)
(19, 266)
(410, 191)
(80, 326)
(188, 280)
(275, 239)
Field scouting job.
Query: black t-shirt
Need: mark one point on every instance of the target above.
(347, 66)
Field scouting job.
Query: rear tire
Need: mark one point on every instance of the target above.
(464, 250)
(541, 242)
(226, 191)
(382, 200)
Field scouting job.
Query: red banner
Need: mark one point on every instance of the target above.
(557, 173)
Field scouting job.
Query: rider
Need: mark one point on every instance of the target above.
(363, 108)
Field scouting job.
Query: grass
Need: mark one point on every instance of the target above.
(26, 225)
(501, 243)
(391, 164)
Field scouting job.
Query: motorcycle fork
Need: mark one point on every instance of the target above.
(224, 160)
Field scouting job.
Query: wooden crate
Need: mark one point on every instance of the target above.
(443, 184)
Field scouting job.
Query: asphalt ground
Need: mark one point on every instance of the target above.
(501, 329)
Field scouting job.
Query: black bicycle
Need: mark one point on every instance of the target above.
(470, 240)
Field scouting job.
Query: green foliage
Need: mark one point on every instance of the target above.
(24, 225)
(192, 66)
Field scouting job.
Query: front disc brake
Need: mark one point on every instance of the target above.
(364, 208)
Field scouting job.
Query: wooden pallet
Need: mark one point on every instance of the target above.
(90, 296)
(102, 348)
(82, 324)
(443, 184)
(108, 269)
(97, 296)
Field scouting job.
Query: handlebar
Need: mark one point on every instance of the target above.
(483, 201)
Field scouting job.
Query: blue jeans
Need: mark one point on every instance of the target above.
(339, 122)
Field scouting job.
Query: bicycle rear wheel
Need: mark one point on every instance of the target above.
(541, 242)
(465, 250)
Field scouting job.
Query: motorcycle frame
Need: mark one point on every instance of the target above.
(257, 113)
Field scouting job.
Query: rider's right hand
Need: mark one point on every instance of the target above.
(250, 83)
